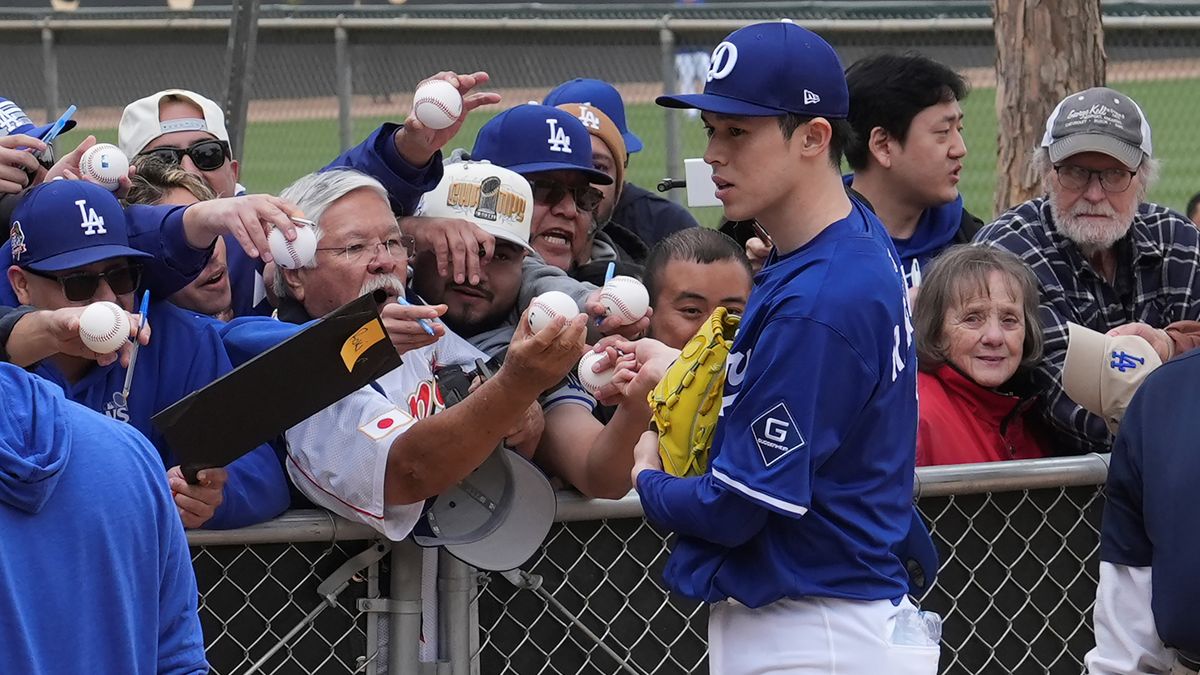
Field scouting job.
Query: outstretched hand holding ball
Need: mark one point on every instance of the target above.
(104, 164)
(103, 327)
(293, 254)
(548, 305)
(437, 104)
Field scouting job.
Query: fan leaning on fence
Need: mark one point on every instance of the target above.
(790, 532)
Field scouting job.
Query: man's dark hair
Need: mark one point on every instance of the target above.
(1191, 207)
(694, 244)
(841, 138)
(888, 91)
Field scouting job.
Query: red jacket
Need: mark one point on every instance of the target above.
(962, 422)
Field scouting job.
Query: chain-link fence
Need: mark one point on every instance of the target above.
(324, 77)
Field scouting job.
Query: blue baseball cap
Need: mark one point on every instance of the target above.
(65, 224)
(13, 120)
(598, 94)
(770, 69)
(531, 138)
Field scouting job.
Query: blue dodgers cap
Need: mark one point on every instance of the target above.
(13, 120)
(65, 224)
(598, 94)
(769, 69)
(531, 138)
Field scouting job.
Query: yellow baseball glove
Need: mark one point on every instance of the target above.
(687, 401)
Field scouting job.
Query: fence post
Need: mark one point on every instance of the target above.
(345, 83)
(405, 623)
(49, 71)
(455, 585)
(243, 34)
(674, 167)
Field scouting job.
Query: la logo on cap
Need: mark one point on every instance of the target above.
(91, 222)
(558, 141)
(724, 58)
(588, 117)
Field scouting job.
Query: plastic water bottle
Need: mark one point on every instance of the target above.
(919, 628)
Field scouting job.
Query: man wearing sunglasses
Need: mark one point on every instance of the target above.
(69, 248)
(1104, 257)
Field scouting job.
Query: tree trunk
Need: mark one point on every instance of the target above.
(1045, 49)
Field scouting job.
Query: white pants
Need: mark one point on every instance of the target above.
(813, 636)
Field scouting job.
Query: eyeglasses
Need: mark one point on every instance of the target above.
(354, 252)
(550, 192)
(1078, 178)
(207, 155)
(82, 286)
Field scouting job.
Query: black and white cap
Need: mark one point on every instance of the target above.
(1098, 120)
(495, 518)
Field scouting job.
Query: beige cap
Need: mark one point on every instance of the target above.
(140, 123)
(496, 199)
(1102, 373)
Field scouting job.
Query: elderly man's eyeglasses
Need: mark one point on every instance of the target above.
(207, 155)
(550, 192)
(361, 251)
(1078, 178)
(82, 286)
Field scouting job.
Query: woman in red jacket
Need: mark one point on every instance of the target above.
(976, 326)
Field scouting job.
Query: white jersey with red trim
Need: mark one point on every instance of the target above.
(338, 457)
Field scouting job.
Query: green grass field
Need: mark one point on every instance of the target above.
(279, 152)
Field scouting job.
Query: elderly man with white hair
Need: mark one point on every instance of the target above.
(376, 455)
(1104, 257)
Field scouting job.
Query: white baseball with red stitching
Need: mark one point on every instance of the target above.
(103, 327)
(104, 164)
(293, 254)
(549, 305)
(437, 104)
(625, 298)
(590, 380)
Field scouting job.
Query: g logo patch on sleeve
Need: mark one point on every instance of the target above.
(776, 434)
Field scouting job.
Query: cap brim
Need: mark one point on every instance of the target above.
(1081, 372)
(594, 177)
(84, 256)
(502, 233)
(1126, 153)
(632, 142)
(721, 105)
(525, 525)
(40, 132)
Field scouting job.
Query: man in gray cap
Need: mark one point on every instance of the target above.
(1104, 257)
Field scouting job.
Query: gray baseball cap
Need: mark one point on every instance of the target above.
(1098, 120)
(495, 518)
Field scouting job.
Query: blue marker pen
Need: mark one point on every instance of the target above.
(608, 275)
(424, 324)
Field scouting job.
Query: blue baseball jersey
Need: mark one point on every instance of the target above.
(185, 354)
(815, 448)
(1150, 515)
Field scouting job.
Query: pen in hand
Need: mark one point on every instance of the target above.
(424, 324)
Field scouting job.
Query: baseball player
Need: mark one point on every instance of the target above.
(790, 532)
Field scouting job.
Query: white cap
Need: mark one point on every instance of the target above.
(140, 123)
(496, 199)
(494, 519)
(1102, 373)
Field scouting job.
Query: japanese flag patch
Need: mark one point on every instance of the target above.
(387, 423)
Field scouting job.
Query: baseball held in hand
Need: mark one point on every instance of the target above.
(437, 104)
(104, 164)
(548, 305)
(103, 327)
(593, 381)
(293, 254)
(625, 298)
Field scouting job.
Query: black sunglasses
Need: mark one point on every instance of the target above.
(207, 155)
(82, 286)
(550, 192)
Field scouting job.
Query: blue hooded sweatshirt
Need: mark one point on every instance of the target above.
(95, 575)
(937, 230)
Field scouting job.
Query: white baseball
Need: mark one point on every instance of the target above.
(104, 164)
(437, 104)
(625, 298)
(103, 327)
(293, 254)
(590, 380)
(549, 305)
